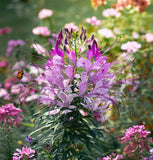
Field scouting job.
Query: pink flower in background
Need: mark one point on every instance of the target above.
(70, 26)
(136, 136)
(111, 12)
(39, 49)
(106, 33)
(93, 21)
(27, 153)
(9, 82)
(135, 35)
(112, 156)
(4, 64)
(149, 37)
(45, 13)
(131, 47)
(40, 30)
(3, 92)
(12, 44)
(11, 115)
(5, 30)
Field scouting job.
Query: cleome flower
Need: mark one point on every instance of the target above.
(136, 140)
(9, 114)
(26, 153)
(77, 71)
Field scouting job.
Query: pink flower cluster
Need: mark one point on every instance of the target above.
(135, 35)
(112, 156)
(135, 132)
(45, 13)
(12, 44)
(26, 153)
(40, 30)
(149, 37)
(9, 114)
(131, 47)
(4, 64)
(70, 26)
(111, 12)
(106, 33)
(136, 136)
(39, 49)
(94, 21)
(5, 30)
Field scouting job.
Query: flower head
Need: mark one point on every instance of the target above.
(11, 115)
(45, 13)
(96, 3)
(72, 26)
(82, 74)
(39, 49)
(149, 37)
(111, 12)
(136, 136)
(93, 21)
(131, 47)
(27, 153)
(40, 30)
(5, 30)
(113, 156)
(106, 33)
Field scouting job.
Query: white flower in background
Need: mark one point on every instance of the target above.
(131, 47)
(106, 33)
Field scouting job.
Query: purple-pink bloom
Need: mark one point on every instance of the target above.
(136, 136)
(9, 114)
(45, 13)
(4, 64)
(5, 30)
(131, 46)
(137, 131)
(40, 30)
(83, 73)
(112, 156)
(27, 153)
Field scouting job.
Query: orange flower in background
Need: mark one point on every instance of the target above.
(96, 3)
(141, 4)
(138, 4)
(121, 4)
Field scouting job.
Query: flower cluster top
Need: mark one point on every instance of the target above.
(76, 68)
(137, 131)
